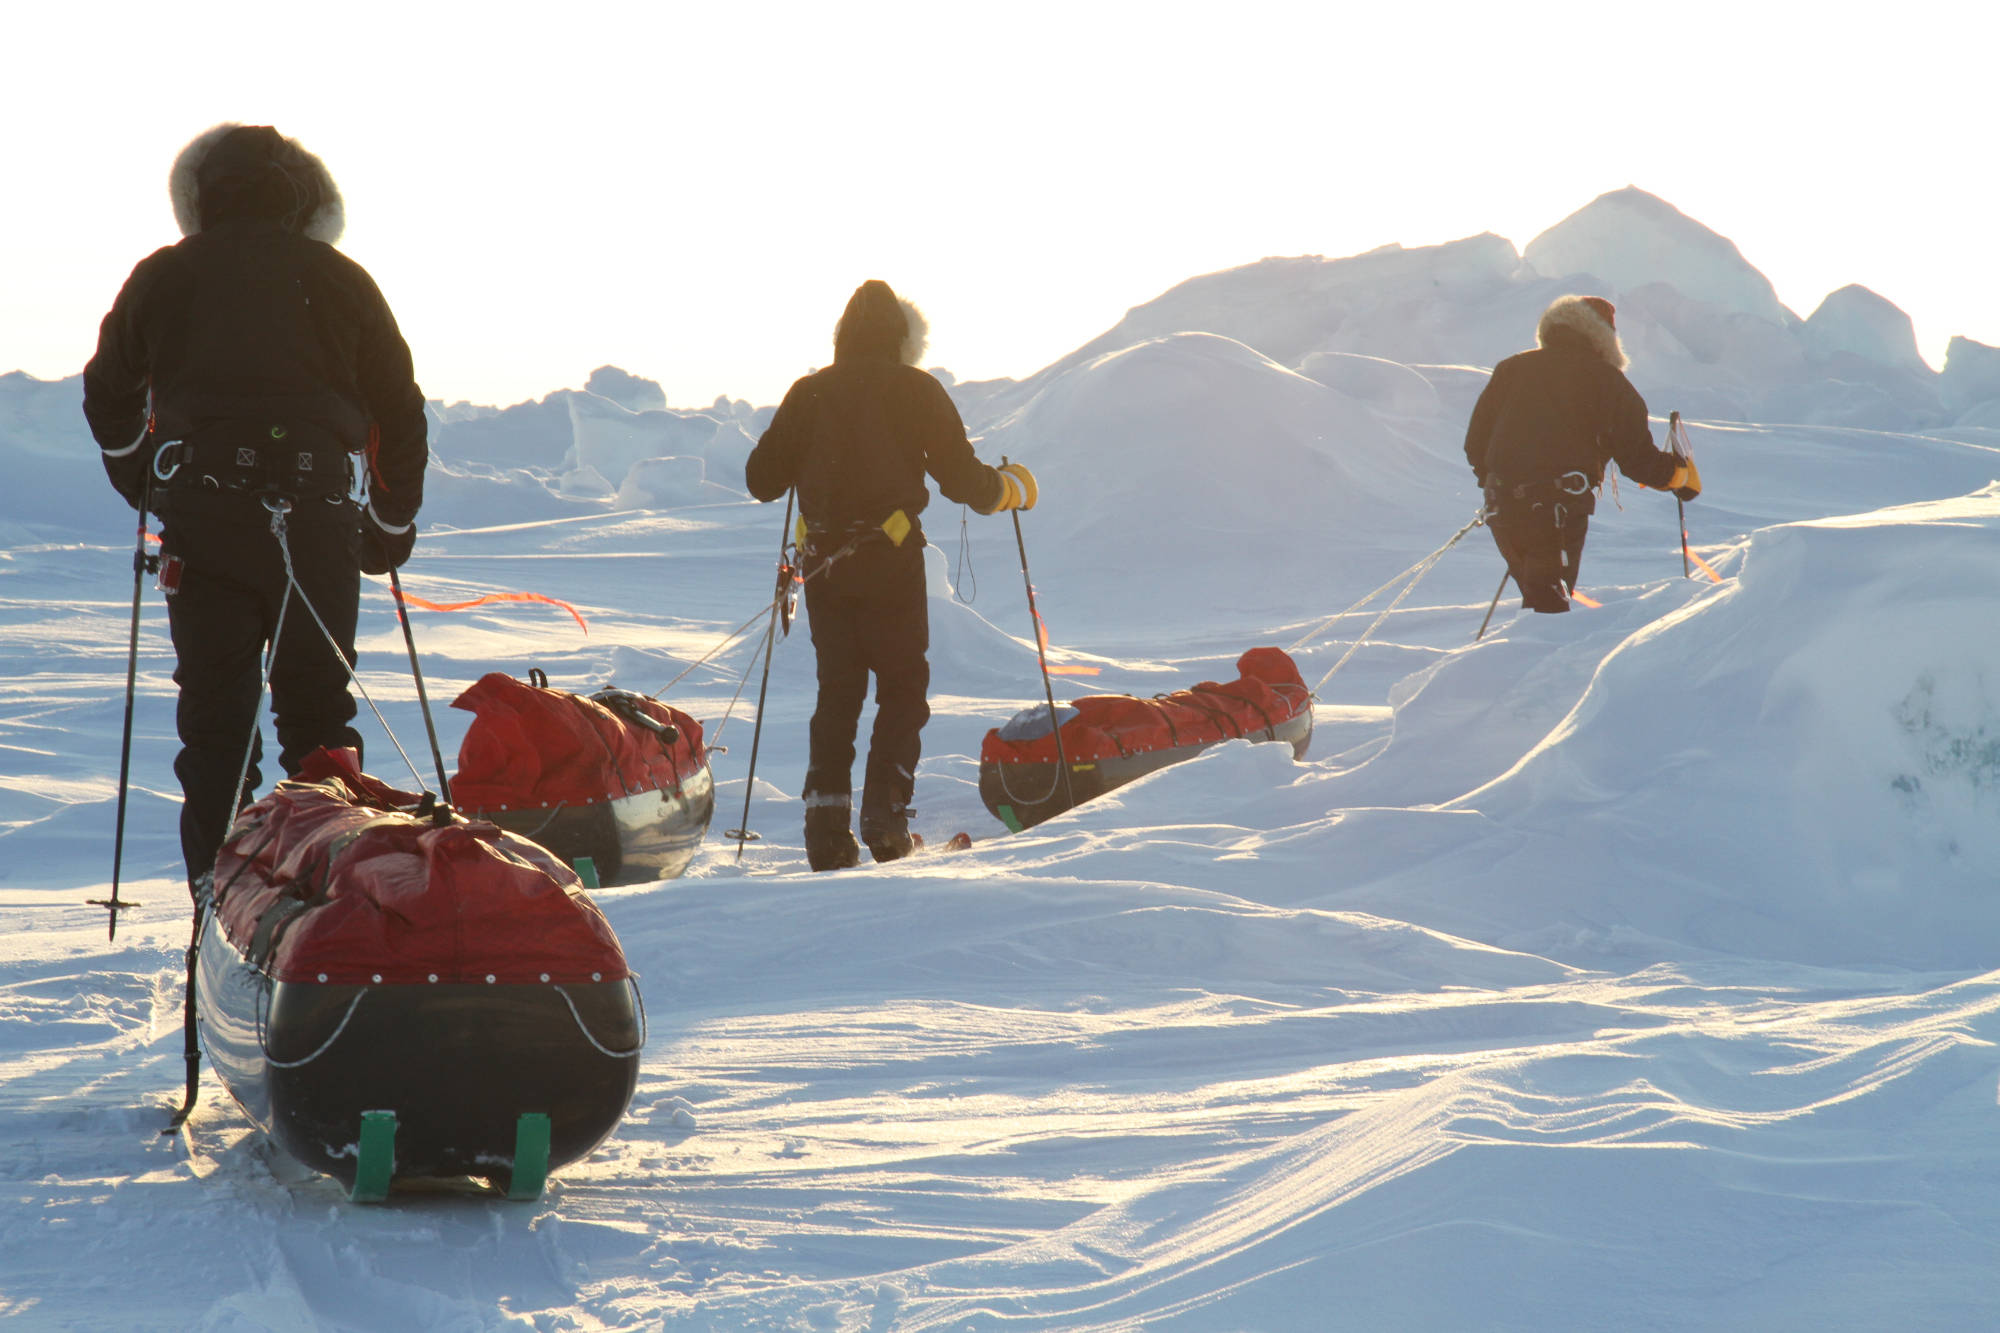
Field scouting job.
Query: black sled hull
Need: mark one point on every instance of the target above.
(458, 1065)
(1022, 795)
(649, 835)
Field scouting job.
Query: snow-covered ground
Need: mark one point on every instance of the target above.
(1625, 969)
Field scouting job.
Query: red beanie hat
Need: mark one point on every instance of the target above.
(1605, 310)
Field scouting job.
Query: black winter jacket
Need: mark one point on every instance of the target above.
(245, 323)
(857, 438)
(1562, 408)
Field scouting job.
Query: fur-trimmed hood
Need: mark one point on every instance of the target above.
(1571, 318)
(876, 321)
(916, 341)
(233, 171)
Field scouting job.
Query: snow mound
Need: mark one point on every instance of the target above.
(1629, 239)
(1191, 457)
(1289, 308)
(56, 486)
(1882, 777)
(585, 444)
(670, 483)
(626, 389)
(1971, 375)
(1387, 386)
(1421, 304)
(611, 439)
(1856, 322)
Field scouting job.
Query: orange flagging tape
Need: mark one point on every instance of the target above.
(1042, 635)
(1581, 600)
(1706, 568)
(490, 597)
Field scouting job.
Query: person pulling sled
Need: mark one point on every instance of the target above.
(856, 440)
(1544, 428)
(236, 377)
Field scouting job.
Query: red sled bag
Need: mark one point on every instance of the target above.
(616, 779)
(1110, 739)
(372, 957)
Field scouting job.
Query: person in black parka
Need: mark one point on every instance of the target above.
(856, 440)
(239, 374)
(1541, 433)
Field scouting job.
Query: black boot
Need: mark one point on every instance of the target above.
(887, 832)
(830, 842)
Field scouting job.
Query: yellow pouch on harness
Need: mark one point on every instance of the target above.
(896, 528)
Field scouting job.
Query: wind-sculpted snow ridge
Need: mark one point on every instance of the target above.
(1854, 737)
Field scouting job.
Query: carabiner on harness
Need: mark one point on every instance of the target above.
(177, 450)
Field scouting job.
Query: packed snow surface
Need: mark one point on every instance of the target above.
(1624, 969)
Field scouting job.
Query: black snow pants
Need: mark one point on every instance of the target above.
(1542, 543)
(869, 613)
(223, 612)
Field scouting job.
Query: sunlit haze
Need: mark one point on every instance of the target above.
(690, 192)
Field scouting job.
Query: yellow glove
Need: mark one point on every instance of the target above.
(1010, 495)
(1686, 481)
(1018, 483)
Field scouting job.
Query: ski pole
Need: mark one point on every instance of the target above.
(417, 673)
(141, 565)
(743, 834)
(1490, 605)
(190, 1038)
(1674, 434)
(1042, 655)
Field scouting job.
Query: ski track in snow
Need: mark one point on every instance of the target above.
(1628, 969)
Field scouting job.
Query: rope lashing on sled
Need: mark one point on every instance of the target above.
(639, 1001)
(1415, 574)
(263, 1015)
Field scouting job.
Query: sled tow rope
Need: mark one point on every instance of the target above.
(279, 507)
(1415, 574)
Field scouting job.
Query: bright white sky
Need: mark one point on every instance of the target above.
(691, 191)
